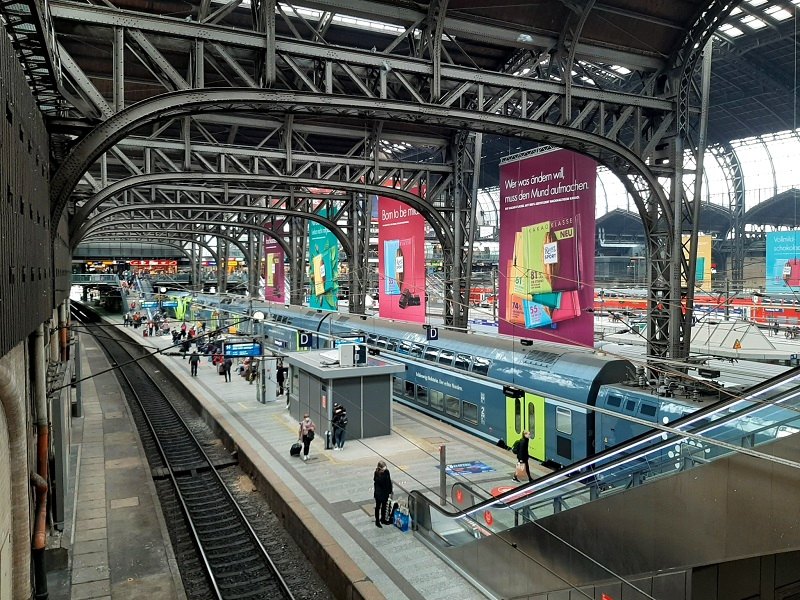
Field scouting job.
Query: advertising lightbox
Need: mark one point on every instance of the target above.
(274, 274)
(401, 261)
(547, 203)
(783, 262)
(323, 267)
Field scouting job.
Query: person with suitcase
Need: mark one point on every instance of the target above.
(523, 456)
(306, 434)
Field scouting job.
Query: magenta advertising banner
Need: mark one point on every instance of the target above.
(274, 274)
(401, 261)
(547, 247)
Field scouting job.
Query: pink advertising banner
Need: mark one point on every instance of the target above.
(547, 247)
(401, 261)
(274, 274)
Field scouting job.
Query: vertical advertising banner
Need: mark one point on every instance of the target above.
(783, 262)
(547, 247)
(401, 261)
(274, 274)
(702, 274)
(323, 267)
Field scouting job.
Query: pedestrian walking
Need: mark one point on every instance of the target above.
(306, 434)
(194, 360)
(227, 364)
(339, 423)
(383, 491)
(523, 456)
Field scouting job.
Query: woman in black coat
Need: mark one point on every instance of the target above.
(383, 489)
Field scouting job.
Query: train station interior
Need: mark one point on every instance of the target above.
(564, 237)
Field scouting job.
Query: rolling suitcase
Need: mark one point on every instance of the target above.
(295, 449)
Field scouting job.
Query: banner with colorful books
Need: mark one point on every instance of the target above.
(401, 261)
(547, 203)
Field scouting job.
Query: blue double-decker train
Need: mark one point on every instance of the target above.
(575, 402)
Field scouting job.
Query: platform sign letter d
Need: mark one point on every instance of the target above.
(304, 340)
(433, 334)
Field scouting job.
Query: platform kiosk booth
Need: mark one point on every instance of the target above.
(322, 378)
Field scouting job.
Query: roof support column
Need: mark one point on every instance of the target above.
(119, 69)
(297, 242)
(458, 259)
(359, 222)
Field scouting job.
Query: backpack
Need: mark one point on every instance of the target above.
(515, 446)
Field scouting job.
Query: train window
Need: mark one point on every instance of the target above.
(630, 405)
(437, 399)
(453, 406)
(430, 354)
(481, 366)
(648, 410)
(418, 350)
(446, 357)
(398, 386)
(371, 338)
(381, 343)
(614, 400)
(563, 420)
(532, 419)
(470, 412)
(391, 344)
(518, 414)
(422, 394)
(404, 348)
(462, 361)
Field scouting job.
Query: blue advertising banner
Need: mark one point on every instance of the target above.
(323, 267)
(783, 262)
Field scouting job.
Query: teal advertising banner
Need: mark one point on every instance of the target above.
(323, 267)
(783, 262)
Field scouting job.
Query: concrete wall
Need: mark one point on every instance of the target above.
(5, 510)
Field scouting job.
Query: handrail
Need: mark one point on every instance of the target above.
(695, 439)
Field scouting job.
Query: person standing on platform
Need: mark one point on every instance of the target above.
(383, 490)
(522, 454)
(194, 360)
(306, 434)
(280, 375)
(226, 365)
(339, 422)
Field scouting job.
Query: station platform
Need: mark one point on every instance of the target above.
(114, 533)
(327, 503)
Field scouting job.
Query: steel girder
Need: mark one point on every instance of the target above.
(728, 161)
(29, 24)
(155, 239)
(194, 214)
(183, 103)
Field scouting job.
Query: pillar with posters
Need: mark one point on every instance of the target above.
(401, 261)
(547, 204)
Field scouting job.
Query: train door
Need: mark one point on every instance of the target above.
(525, 411)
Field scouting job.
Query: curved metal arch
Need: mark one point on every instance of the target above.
(161, 232)
(98, 225)
(187, 102)
(333, 227)
(105, 236)
(431, 214)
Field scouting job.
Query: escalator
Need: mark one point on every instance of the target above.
(746, 428)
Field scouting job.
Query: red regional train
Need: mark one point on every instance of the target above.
(758, 308)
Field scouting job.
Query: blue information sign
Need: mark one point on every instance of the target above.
(170, 304)
(242, 349)
(149, 304)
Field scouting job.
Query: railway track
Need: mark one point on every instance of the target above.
(228, 554)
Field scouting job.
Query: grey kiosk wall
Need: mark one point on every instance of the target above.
(318, 380)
